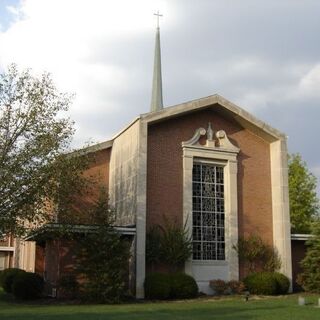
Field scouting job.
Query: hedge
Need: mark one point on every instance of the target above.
(27, 285)
(267, 283)
(170, 286)
(7, 277)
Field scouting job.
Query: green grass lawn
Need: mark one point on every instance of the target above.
(280, 308)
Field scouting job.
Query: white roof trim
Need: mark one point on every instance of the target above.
(106, 144)
(303, 237)
(96, 147)
(202, 103)
(125, 128)
(238, 113)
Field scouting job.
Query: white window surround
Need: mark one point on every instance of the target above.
(224, 154)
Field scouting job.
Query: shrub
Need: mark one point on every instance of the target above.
(268, 283)
(257, 255)
(169, 243)
(175, 244)
(68, 285)
(27, 285)
(157, 286)
(183, 286)
(261, 283)
(102, 257)
(153, 248)
(283, 283)
(218, 286)
(7, 277)
(170, 286)
(236, 287)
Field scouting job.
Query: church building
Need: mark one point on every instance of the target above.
(206, 163)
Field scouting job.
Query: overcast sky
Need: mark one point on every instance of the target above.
(262, 55)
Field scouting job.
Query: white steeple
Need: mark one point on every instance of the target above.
(156, 99)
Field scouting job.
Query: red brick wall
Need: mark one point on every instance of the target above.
(97, 176)
(99, 167)
(98, 173)
(59, 259)
(165, 172)
(67, 257)
(52, 263)
(40, 260)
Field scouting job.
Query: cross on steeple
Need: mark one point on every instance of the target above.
(158, 16)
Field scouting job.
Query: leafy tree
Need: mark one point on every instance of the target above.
(310, 277)
(36, 175)
(304, 204)
(103, 257)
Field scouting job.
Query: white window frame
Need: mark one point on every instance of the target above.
(227, 158)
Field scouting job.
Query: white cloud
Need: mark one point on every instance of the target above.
(310, 82)
(102, 51)
(61, 37)
(14, 11)
(257, 83)
(268, 82)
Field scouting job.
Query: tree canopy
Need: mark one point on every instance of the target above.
(102, 257)
(304, 204)
(310, 277)
(35, 138)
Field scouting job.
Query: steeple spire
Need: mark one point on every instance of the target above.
(156, 99)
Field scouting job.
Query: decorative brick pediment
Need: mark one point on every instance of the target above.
(215, 140)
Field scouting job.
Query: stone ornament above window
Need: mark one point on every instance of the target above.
(219, 140)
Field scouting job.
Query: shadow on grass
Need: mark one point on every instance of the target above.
(155, 312)
(284, 308)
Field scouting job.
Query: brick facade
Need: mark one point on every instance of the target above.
(165, 172)
(56, 257)
(155, 140)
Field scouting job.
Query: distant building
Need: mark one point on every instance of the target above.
(16, 253)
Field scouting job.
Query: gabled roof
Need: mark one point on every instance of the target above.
(222, 106)
(214, 102)
(96, 147)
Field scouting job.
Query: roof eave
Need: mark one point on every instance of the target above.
(301, 236)
(243, 117)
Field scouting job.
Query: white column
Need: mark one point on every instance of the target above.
(141, 212)
(232, 216)
(280, 205)
(187, 201)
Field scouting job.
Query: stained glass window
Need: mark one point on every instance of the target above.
(208, 212)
